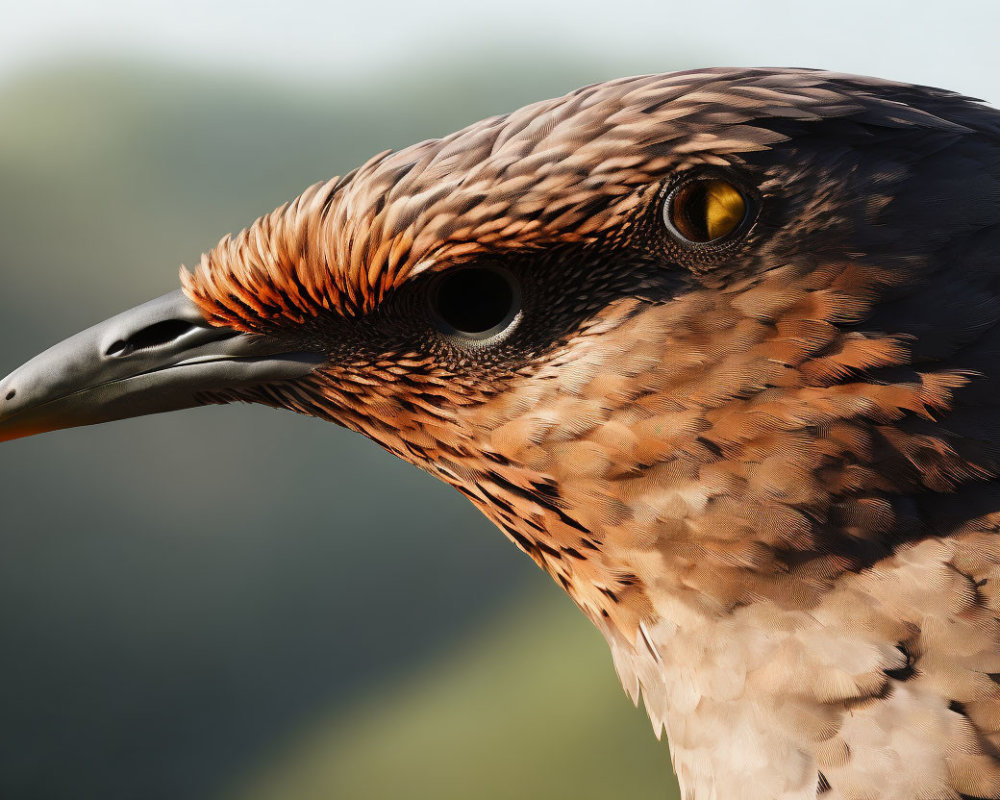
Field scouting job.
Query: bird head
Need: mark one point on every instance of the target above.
(693, 332)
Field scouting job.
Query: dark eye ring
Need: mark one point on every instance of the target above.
(475, 304)
(705, 210)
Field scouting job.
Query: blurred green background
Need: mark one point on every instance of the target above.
(241, 604)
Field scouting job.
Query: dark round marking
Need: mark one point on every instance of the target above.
(11, 393)
(475, 302)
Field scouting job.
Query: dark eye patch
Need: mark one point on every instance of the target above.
(555, 294)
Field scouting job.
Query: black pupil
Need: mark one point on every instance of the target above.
(474, 300)
(689, 211)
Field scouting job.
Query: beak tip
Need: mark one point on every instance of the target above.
(159, 356)
(14, 424)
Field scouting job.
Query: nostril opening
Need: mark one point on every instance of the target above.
(116, 348)
(11, 393)
(160, 333)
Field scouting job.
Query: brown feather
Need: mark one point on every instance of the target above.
(768, 475)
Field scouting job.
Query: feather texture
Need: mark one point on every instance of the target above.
(767, 470)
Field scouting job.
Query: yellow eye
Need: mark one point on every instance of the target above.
(705, 210)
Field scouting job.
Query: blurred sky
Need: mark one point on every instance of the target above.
(949, 44)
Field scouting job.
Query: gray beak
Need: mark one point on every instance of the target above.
(156, 357)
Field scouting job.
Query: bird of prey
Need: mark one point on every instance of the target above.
(719, 350)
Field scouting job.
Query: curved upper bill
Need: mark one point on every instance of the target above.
(156, 357)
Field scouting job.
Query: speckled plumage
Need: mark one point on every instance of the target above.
(766, 471)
